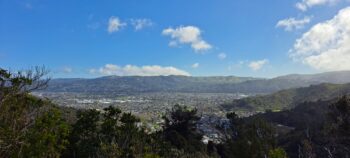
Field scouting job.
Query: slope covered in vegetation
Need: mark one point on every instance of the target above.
(286, 99)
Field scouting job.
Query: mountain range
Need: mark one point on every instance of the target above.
(216, 84)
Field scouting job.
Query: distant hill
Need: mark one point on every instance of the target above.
(326, 77)
(286, 99)
(144, 84)
(219, 84)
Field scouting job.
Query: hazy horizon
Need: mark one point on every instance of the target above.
(93, 77)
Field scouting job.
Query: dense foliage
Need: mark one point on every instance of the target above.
(314, 129)
(29, 126)
(287, 99)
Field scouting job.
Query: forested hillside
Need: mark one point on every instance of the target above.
(286, 99)
(313, 129)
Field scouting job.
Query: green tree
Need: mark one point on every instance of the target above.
(84, 139)
(111, 123)
(180, 129)
(338, 131)
(130, 136)
(48, 137)
(277, 153)
(248, 139)
(23, 117)
(110, 133)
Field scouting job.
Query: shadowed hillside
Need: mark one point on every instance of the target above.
(286, 99)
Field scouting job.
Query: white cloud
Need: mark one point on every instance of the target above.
(306, 4)
(132, 70)
(291, 24)
(195, 65)
(257, 65)
(236, 65)
(67, 70)
(115, 24)
(326, 46)
(139, 24)
(222, 56)
(172, 44)
(187, 35)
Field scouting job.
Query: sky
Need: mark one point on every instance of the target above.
(254, 38)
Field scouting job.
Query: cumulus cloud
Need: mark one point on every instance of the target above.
(306, 4)
(195, 65)
(222, 56)
(115, 24)
(132, 70)
(187, 35)
(139, 24)
(257, 65)
(326, 46)
(291, 24)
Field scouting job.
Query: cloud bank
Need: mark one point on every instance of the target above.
(132, 70)
(326, 46)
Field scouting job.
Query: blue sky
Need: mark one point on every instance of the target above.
(188, 37)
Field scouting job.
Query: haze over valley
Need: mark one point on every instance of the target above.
(151, 96)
